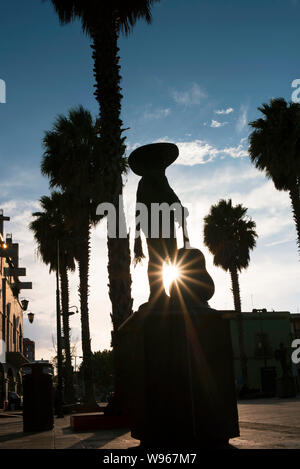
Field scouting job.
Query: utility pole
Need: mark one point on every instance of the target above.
(59, 409)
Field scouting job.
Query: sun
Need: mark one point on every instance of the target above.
(170, 273)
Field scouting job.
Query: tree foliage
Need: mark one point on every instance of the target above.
(274, 144)
(229, 235)
(48, 226)
(103, 369)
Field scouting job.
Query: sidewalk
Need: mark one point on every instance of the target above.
(264, 423)
(61, 437)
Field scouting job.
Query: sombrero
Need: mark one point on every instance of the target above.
(152, 156)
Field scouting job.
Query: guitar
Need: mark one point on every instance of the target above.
(194, 286)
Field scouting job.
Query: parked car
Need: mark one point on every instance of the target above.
(14, 401)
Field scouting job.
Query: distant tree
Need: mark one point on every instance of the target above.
(275, 149)
(53, 359)
(230, 236)
(71, 161)
(103, 368)
(48, 227)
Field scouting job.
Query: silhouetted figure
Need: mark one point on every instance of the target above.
(150, 162)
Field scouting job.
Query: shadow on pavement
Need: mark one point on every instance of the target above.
(16, 435)
(96, 440)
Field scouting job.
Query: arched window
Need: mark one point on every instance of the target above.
(11, 382)
(20, 340)
(14, 334)
(8, 340)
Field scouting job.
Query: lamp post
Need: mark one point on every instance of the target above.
(59, 399)
(260, 312)
(72, 312)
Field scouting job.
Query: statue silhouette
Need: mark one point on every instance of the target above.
(194, 286)
(150, 162)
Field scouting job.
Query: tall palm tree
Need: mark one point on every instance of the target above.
(71, 161)
(103, 20)
(275, 149)
(230, 236)
(48, 227)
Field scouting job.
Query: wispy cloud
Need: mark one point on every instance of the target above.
(242, 119)
(235, 152)
(192, 96)
(159, 113)
(201, 152)
(225, 111)
(217, 123)
(287, 239)
(196, 152)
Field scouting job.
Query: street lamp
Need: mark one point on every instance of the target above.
(70, 313)
(30, 317)
(24, 304)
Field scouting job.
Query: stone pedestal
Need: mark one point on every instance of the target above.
(177, 376)
(286, 387)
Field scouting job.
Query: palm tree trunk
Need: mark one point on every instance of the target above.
(294, 194)
(107, 92)
(83, 261)
(69, 387)
(235, 289)
(119, 276)
(238, 309)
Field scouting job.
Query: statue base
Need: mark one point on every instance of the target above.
(176, 375)
(286, 387)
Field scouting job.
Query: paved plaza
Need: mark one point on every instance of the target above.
(264, 424)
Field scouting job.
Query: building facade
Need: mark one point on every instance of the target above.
(295, 323)
(264, 333)
(29, 349)
(11, 317)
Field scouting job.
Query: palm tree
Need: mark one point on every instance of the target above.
(275, 149)
(48, 226)
(230, 236)
(71, 161)
(103, 20)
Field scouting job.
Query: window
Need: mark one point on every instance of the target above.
(14, 334)
(20, 341)
(262, 345)
(8, 339)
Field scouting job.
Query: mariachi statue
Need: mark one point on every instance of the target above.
(150, 162)
(195, 286)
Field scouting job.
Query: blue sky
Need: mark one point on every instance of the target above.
(194, 77)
